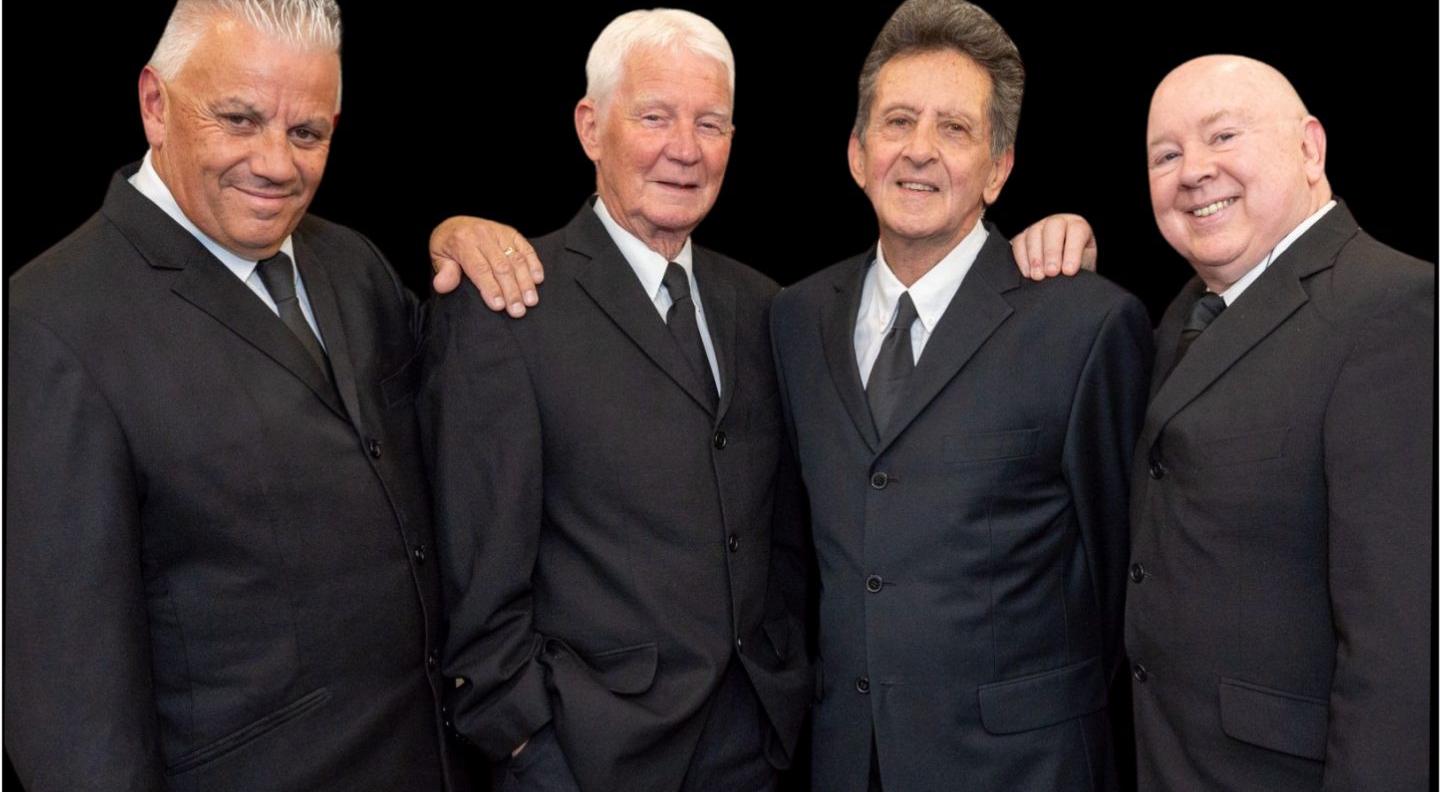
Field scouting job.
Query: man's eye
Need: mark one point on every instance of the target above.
(1165, 158)
(956, 128)
(237, 120)
(305, 135)
(1224, 137)
(899, 122)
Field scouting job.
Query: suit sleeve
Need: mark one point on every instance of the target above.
(481, 432)
(79, 706)
(1379, 442)
(1104, 424)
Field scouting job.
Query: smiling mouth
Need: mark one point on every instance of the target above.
(678, 185)
(1212, 208)
(915, 186)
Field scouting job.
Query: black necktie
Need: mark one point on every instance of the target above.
(278, 275)
(1201, 315)
(893, 366)
(685, 329)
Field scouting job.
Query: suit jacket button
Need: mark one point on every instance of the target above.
(372, 447)
(862, 685)
(733, 543)
(419, 553)
(1157, 470)
(1140, 672)
(432, 660)
(874, 583)
(719, 440)
(879, 481)
(1137, 572)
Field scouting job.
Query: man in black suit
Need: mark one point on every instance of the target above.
(219, 561)
(621, 546)
(1279, 618)
(964, 437)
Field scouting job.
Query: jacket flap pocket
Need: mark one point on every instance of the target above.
(1043, 699)
(1274, 719)
(249, 733)
(1249, 447)
(399, 387)
(628, 671)
(981, 446)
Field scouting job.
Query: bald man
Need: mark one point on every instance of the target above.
(1278, 618)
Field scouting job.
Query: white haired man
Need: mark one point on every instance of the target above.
(621, 547)
(219, 561)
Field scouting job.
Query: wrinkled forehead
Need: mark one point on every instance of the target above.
(675, 73)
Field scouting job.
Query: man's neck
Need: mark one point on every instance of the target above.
(911, 259)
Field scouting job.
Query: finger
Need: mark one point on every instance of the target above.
(447, 275)
(1034, 249)
(532, 259)
(501, 268)
(1017, 251)
(1077, 236)
(1053, 240)
(1089, 255)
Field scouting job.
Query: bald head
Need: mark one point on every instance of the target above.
(1235, 161)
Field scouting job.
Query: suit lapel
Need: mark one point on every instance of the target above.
(972, 316)
(837, 334)
(717, 296)
(611, 283)
(1268, 302)
(320, 288)
(205, 283)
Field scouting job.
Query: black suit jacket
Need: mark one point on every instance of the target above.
(609, 542)
(972, 558)
(1282, 518)
(213, 575)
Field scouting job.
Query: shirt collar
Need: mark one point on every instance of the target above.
(150, 185)
(648, 265)
(934, 290)
(1248, 278)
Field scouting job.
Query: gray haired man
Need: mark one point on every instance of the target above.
(219, 567)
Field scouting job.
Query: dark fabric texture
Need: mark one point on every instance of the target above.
(972, 555)
(1281, 518)
(213, 563)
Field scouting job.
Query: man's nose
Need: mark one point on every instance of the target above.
(272, 157)
(684, 143)
(921, 147)
(1197, 168)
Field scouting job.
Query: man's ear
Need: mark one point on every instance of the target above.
(856, 153)
(587, 128)
(1312, 148)
(999, 175)
(154, 101)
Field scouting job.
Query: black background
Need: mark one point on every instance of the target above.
(467, 108)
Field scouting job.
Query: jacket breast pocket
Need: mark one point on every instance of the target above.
(1237, 449)
(1285, 722)
(1044, 699)
(398, 389)
(987, 446)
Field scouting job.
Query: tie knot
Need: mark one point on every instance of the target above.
(278, 275)
(1206, 309)
(905, 314)
(676, 282)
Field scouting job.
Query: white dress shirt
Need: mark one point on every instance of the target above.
(649, 267)
(931, 294)
(1248, 278)
(148, 182)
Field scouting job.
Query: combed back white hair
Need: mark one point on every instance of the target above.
(662, 28)
(309, 24)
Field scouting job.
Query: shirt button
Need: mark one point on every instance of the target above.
(719, 440)
(879, 481)
(1140, 672)
(419, 553)
(862, 685)
(733, 543)
(1137, 572)
(372, 447)
(874, 583)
